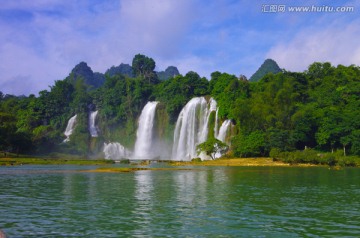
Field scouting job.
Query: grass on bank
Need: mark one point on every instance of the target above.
(41, 161)
(310, 156)
(232, 162)
(56, 159)
(307, 157)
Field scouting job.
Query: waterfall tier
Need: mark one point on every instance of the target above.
(70, 128)
(144, 136)
(225, 126)
(92, 125)
(115, 151)
(216, 123)
(192, 128)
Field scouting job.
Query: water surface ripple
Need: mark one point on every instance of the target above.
(60, 201)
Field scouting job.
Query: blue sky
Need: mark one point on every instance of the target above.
(42, 40)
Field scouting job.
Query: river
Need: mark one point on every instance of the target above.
(66, 201)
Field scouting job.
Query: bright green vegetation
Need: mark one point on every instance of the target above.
(42, 161)
(211, 147)
(285, 112)
(310, 156)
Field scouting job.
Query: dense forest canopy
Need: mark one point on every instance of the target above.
(286, 111)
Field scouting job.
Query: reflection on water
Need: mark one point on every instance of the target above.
(144, 204)
(57, 201)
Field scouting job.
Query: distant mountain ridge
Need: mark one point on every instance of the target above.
(96, 79)
(269, 66)
(169, 72)
(83, 71)
(124, 69)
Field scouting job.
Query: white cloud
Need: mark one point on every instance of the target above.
(228, 36)
(47, 47)
(335, 43)
(188, 63)
(155, 28)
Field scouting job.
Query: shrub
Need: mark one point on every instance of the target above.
(196, 160)
(275, 153)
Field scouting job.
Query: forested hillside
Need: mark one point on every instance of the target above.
(287, 111)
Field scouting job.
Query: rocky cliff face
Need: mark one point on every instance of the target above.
(84, 72)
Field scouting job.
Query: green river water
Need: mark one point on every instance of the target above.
(61, 201)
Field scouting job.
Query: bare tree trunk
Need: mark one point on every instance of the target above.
(344, 151)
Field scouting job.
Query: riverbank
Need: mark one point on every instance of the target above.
(264, 161)
(218, 162)
(51, 161)
(234, 162)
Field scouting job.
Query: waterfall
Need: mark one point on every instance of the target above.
(223, 130)
(144, 135)
(206, 117)
(70, 128)
(92, 126)
(191, 128)
(115, 151)
(216, 123)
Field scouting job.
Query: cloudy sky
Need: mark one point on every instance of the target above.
(42, 40)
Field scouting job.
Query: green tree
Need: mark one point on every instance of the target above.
(211, 147)
(143, 67)
(249, 145)
(226, 89)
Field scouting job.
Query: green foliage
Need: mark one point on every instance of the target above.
(249, 145)
(211, 147)
(227, 89)
(310, 156)
(274, 153)
(177, 91)
(45, 138)
(287, 112)
(79, 140)
(143, 67)
(54, 106)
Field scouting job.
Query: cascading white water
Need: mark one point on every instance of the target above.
(144, 135)
(92, 125)
(70, 128)
(191, 128)
(216, 123)
(115, 151)
(223, 130)
(207, 112)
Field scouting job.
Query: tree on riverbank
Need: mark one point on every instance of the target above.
(212, 147)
